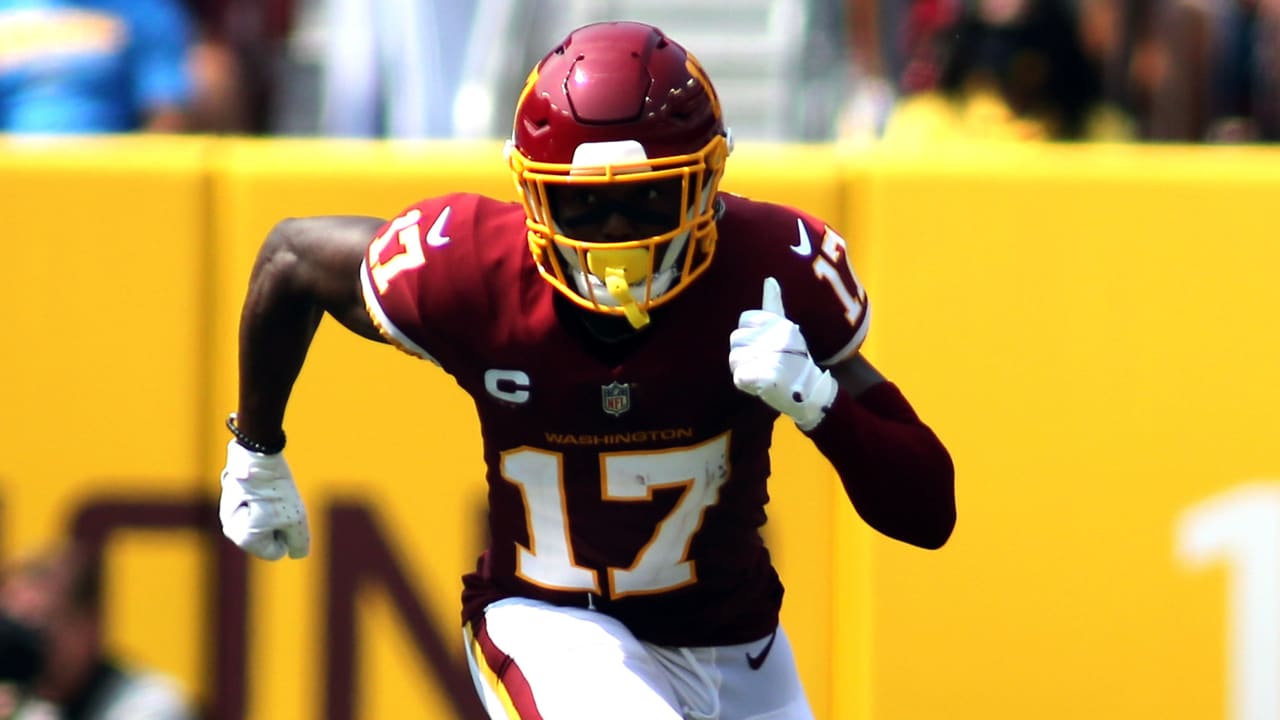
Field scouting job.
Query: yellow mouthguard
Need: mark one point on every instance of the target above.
(620, 269)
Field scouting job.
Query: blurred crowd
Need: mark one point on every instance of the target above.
(1149, 70)
(55, 663)
(911, 70)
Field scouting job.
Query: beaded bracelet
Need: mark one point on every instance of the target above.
(253, 445)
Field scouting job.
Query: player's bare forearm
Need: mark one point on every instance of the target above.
(306, 267)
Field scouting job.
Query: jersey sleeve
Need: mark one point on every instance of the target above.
(409, 272)
(821, 291)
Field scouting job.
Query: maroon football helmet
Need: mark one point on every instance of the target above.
(616, 103)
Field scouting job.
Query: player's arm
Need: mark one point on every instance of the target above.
(856, 375)
(896, 472)
(305, 268)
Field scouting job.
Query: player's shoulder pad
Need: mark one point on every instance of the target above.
(432, 215)
(810, 260)
(438, 227)
(425, 269)
(770, 231)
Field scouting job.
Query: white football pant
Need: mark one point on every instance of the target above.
(530, 659)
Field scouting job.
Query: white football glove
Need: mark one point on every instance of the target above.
(769, 359)
(261, 510)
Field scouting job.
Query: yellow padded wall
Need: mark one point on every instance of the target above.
(104, 297)
(1092, 330)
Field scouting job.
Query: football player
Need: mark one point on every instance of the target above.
(629, 334)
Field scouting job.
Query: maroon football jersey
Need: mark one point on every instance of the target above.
(632, 481)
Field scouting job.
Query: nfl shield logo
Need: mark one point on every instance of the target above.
(615, 398)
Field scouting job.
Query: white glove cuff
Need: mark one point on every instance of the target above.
(252, 469)
(818, 396)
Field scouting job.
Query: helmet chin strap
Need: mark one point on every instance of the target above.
(620, 269)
